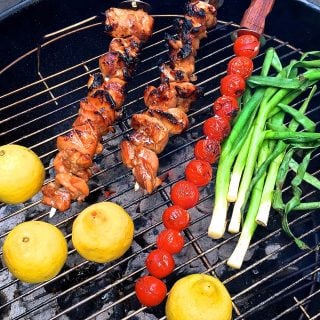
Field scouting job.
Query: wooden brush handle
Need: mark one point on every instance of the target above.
(254, 17)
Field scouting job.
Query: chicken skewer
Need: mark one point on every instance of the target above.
(169, 102)
(100, 109)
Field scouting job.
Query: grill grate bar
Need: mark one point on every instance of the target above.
(295, 306)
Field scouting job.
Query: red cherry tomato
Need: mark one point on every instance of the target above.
(207, 150)
(170, 240)
(216, 128)
(176, 218)
(232, 85)
(226, 107)
(150, 291)
(247, 46)
(242, 66)
(185, 194)
(160, 263)
(199, 172)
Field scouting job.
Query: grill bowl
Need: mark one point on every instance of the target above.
(276, 278)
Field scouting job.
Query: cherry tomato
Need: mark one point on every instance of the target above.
(160, 263)
(226, 107)
(232, 85)
(199, 172)
(246, 46)
(170, 240)
(150, 291)
(207, 150)
(216, 128)
(242, 66)
(185, 194)
(176, 218)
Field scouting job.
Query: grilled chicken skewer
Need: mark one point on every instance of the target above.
(169, 102)
(99, 110)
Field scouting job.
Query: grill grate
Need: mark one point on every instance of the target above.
(276, 278)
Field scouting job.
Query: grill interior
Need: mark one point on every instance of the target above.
(276, 278)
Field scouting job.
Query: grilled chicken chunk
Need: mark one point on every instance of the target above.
(187, 93)
(163, 97)
(174, 119)
(128, 47)
(113, 65)
(171, 95)
(82, 138)
(55, 196)
(168, 73)
(149, 132)
(73, 161)
(112, 89)
(144, 163)
(201, 13)
(122, 23)
(76, 186)
(187, 65)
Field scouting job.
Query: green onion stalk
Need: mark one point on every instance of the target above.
(267, 195)
(257, 139)
(238, 169)
(230, 148)
(236, 259)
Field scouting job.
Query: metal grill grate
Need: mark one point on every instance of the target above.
(277, 279)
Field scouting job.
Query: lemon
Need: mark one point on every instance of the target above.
(198, 297)
(22, 174)
(102, 232)
(35, 251)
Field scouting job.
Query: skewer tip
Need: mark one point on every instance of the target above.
(52, 212)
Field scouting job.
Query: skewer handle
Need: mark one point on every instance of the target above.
(254, 18)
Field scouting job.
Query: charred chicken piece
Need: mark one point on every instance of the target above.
(76, 186)
(163, 97)
(122, 23)
(186, 65)
(171, 95)
(128, 48)
(175, 120)
(83, 138)
(187, 93)
(149, 132)
(201, 13)
(94, 118)
(168, 73)
(144, 164)
(74, 162)
(186, 27)
(113, 65)
(112, 89)
(182, 45)
(55, 196)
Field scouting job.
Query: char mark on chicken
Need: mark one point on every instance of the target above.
(201, 13)
(113, 65)
(128, 48)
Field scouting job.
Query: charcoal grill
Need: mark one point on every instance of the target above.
(277, 281)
